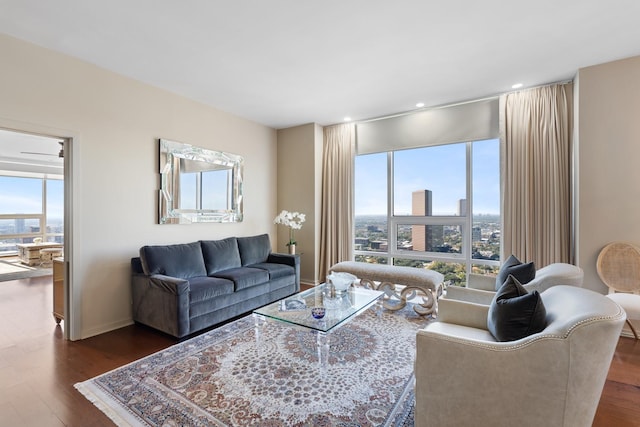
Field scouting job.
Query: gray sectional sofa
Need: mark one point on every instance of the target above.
(181, 289)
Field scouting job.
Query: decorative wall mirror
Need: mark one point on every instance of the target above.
(199, 185)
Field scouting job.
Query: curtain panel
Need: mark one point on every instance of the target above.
(336, 226)
(536, 137)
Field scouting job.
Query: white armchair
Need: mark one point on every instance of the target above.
(554, 377)
(481, 289)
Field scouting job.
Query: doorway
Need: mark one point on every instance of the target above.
(34, 218)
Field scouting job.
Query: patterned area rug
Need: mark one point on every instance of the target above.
(246, 375)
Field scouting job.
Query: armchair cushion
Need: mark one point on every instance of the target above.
(524, 273)
(514, 313)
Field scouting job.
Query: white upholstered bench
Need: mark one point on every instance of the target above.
(398, 283)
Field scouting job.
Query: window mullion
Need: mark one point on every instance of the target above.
(43, 216)
(199, 190)
(467, 240)
(391, 227)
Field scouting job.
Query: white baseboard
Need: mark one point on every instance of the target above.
(102, 329)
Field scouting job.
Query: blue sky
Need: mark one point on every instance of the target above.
(214, 185)
(440, 169)
(24, 196)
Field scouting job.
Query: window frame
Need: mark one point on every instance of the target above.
(41, 217)
(465, 222)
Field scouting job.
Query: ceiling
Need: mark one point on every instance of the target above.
(27, 153)
(283, 63)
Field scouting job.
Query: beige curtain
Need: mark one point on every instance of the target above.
(536, 133)
(336, 224)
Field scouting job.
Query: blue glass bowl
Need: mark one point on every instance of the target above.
(318, 312)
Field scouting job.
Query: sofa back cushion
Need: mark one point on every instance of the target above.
(182, 261)
(254, 249)
(220, 254)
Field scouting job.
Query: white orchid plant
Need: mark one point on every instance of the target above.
(293, 220)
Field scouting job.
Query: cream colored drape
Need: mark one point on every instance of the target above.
(336, 225)
(536, 132)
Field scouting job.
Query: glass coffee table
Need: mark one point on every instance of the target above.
(339, 309)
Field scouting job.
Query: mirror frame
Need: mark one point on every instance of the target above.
(170, 212)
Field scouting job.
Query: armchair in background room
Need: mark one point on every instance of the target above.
(618, 266)
(481, 289)
(465, 377)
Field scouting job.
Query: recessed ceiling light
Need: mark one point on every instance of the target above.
(420, 104)
(347, 119)
(517, 86)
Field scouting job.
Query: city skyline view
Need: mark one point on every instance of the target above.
(28, 213)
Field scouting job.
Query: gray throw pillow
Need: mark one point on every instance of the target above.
(524, 273)
(514, 313)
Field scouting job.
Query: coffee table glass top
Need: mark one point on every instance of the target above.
(296, 309)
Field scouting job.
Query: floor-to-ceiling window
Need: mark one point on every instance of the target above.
(432, 207)
(30, 207)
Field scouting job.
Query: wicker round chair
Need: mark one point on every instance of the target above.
(618, 266)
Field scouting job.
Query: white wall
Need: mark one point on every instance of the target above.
(608, 170)
(115, 123)
(299, 186)
(608, 182)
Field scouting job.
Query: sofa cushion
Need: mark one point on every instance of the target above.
(220, 254)
(244, 277)
(206, 288)
(276, 271)
(183, 261)
(254, 249)
(524, 273)
(514, 313)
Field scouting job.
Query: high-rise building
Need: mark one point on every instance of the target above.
(425, 237)
(462, 207)
(363, 241)
(476, 234)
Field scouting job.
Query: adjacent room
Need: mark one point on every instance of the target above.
(32, 216)
(294, 214)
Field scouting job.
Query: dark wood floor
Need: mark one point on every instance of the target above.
(38, 368)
